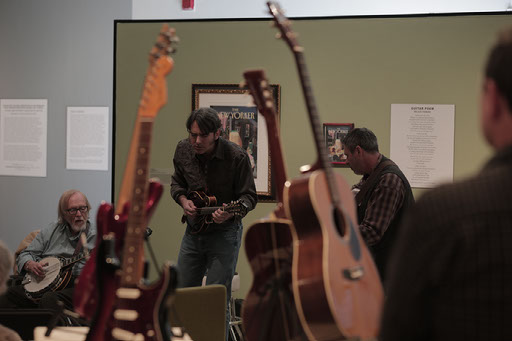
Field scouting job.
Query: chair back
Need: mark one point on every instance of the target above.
(23, 245)
(201, 311)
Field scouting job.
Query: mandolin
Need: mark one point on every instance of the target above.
(205, 206)
(337, 289)
(111, 291)
(269, 312)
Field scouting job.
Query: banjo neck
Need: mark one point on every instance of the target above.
(69, 261)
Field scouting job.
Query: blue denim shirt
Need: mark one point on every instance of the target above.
(56, 240)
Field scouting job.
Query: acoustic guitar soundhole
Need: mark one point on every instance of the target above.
(340, 224)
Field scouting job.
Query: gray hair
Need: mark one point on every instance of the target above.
(362, 137)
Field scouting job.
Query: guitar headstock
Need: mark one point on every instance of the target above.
(238, 208)
(259, 88)
(284, 26)
(154, 94)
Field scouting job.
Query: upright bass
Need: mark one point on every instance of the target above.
(110, 291)
(335, 282)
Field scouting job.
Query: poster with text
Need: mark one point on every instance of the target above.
(23, 136)
(87, 138)
(422, 142)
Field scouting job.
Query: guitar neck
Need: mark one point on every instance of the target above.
(262, 96)
(133, 252)
(207, 210)
(276, 153)
(69, 261)
(315, 123)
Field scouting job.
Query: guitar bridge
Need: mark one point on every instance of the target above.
(354, 273)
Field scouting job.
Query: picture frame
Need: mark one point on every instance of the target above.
(244, 125)
(333, 138)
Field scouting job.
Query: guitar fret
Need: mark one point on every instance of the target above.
(133, 250)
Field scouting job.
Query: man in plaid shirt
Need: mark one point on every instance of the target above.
(383, 194)
(450, 275)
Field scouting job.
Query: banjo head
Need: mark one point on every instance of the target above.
(36, 284)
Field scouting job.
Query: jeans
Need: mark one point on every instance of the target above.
(216, 254)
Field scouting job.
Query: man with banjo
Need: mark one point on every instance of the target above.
(54, 259)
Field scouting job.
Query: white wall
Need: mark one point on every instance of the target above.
(60, 50)
(171, 9)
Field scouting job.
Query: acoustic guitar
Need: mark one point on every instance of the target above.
(336, 285)
(111, 291)
(269, 312)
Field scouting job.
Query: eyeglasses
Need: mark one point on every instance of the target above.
(73, 210)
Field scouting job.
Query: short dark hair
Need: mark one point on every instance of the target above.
(499, 65)
(207, 119)
(363, 138)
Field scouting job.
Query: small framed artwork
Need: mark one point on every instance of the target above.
(244, 125)
(334, 133)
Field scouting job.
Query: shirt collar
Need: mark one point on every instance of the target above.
(379, 160)
(218, 151)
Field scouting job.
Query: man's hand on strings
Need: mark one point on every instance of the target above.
(189, 209)
(221, 216)
(36, 268)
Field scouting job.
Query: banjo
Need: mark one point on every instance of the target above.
(57, 276)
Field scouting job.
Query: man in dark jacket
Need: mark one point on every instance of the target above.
(383, 194)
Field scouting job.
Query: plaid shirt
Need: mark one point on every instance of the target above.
(385, 201)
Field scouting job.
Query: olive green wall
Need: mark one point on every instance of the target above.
(358, 68)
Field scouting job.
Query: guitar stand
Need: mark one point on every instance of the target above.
(148, 233)
(54, 319)
(62, 314)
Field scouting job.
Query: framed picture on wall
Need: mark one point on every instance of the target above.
(242, 124)
(334, 133)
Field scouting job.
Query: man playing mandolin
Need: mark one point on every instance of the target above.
(206, 163)
(55, 250)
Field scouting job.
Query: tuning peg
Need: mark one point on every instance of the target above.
(242, 84)
(298, 49)
(278, 35)
(269, 103)
(263, 83)
(291, 35)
